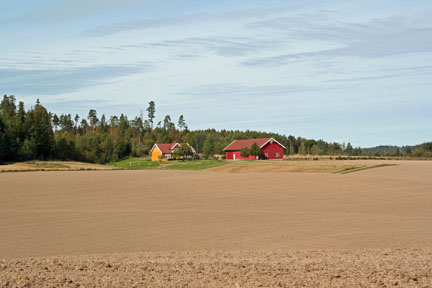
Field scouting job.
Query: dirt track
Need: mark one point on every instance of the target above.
(79, 213)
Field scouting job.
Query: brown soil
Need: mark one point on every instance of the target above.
(52, 166)
(300, 166)
(200, 227)
(312, 268)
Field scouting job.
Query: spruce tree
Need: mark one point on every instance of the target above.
(56, 121)
(245, 152)
(349, 149)
(20, 122)
(2, 141)
(42, 132)
(255, 150)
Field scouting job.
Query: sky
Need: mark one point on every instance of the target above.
(344, 71)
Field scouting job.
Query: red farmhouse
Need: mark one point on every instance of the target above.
(271, 149)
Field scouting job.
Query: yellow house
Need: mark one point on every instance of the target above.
(164, 152)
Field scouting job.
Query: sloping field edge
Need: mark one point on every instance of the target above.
(356, 169)
(57, 170)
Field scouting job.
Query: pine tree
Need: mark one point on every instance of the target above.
(167, 122)
(151, 110)
(77, 117)
(181, 123)
(102, 121)
(92, 117)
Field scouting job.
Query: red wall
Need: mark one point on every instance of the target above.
(270, 149)
(229, 155)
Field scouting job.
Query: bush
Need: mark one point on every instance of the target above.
(245, 152)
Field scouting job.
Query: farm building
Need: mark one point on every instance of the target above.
(270, 148)
(163, 151)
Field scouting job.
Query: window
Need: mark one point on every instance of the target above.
(168, 156)
(277, 155)
(266, 155)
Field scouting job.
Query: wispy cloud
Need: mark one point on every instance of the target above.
(61, 10)
(186, 19)
(377, 38)
(60, 80)
(295, 67)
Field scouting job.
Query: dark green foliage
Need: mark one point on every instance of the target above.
(349, 149)
(183, 152)
(151, 110)
(38, 134)
(291, 150)
(245, 152)
(2, 141)
(423, 150)
(167, 124)
(208, 147)
(182, 123)
(41, 132)
(10, 130)
(92, 118)
(382, 150)
(255, 150)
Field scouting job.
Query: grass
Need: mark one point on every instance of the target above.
(135, 163)
(192, 165)
(138, 163)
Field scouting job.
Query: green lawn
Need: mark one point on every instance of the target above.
(191, 165)
(137, 163)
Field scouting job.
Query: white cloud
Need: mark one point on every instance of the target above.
(306, 71)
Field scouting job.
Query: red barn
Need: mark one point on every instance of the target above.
(270, 148)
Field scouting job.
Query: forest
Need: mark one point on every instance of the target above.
(40, 134)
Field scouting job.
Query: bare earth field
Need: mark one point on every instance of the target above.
(52, 166)
(301, 166)
(218, 228)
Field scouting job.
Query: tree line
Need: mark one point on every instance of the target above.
(37, 133)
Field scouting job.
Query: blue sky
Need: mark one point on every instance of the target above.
(346, 71)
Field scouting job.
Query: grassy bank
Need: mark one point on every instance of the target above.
(138, 163)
